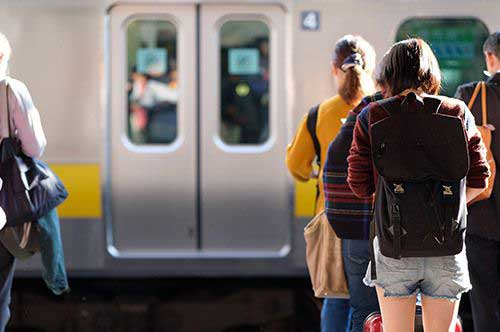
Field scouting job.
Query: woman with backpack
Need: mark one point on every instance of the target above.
(353, 61)
(423, 157)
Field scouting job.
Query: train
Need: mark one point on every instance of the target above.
(168, 121)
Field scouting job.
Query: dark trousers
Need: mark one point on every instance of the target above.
(484, 268)
(335, 315)
(6, 276)
(363, 299)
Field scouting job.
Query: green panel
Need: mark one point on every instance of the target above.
(457, 43)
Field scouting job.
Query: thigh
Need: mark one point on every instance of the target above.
(398, 313)
(439, 315)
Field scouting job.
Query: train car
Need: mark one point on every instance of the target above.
(168, 120)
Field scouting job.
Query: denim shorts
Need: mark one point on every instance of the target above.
(445, 277)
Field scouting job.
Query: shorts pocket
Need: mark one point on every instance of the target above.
(391, 263)
(455, 263)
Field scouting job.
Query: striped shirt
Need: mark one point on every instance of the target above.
(348, 214)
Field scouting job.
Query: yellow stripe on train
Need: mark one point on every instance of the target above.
(84, 186)
(305, 198)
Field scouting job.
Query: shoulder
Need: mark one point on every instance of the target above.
(334, 103)
(452, 106)
(17, 86)
(464, 91)
(18, 89)
(367, 114)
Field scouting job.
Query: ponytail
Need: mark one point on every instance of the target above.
(356, 58)
(356, 84)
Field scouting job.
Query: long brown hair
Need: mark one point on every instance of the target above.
(356, 58)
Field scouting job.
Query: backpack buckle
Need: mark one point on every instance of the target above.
(398, 188)
(447, 190)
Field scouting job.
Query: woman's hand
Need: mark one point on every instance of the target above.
(472, 193)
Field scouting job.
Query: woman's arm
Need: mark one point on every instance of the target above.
(479, 170)
(26, 120)
(300, 153)
(360, 170)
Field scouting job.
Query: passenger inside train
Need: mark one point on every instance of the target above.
(245, 89)
(153, 89)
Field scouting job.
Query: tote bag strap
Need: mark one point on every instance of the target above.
(481, 86)
(483, 104)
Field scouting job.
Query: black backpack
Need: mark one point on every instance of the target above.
(422, 160)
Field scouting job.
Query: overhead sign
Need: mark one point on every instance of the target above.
(152, 61)
(243, 61)
(310, 20)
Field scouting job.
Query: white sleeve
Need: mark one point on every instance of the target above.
(26, 120)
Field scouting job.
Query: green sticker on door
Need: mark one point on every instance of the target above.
(243, 61)
(152, 61)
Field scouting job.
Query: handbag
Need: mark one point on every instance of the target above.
(324, 259)
(485, 129)
(29, 190)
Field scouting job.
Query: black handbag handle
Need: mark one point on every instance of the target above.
(15, 141)
(8, 108)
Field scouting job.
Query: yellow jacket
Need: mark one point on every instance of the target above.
(300, 152)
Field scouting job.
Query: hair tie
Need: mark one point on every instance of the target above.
(351, 61)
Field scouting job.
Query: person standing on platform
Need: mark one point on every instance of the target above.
(28, 130)
(353, 62)
(483, 226)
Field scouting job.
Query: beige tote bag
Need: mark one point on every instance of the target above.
(324, 259)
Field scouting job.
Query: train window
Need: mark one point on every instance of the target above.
(457, 43)
(244, 51)
(153, 86)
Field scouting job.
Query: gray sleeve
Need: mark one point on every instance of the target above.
(26, 120)
(469, 121)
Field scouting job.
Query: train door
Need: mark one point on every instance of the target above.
(243, 178)
(152, 130)
(196, 132)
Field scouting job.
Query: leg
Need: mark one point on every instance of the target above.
(335, 315)
(398, 313)
(484, 268)
(356, 254)
(439, 315)
(6, 276)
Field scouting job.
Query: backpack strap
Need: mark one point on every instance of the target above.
(394, 105)
(390, 105)
(432, 104)
(312, 120)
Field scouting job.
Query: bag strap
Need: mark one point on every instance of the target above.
(481, 86)
(312, 120)
(483, 104)
(391, 105)
(5, 132)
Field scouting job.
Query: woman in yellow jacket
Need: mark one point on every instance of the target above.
(353, 62)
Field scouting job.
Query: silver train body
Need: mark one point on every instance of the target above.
(201, 204)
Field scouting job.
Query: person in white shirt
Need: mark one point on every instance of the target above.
(27, 127)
